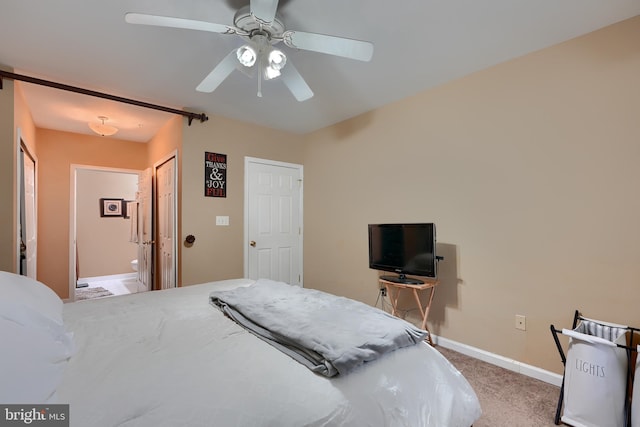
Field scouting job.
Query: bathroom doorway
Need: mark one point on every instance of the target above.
(104, 232)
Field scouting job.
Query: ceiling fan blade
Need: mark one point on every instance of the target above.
(339, 46)
(188, 24)
(218, 74)
(296, 84)
(264, 11)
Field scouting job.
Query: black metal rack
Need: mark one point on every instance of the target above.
(631, 353)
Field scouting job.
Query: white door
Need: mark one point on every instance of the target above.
(273, 221)
(166, 190)
(145, 230)
(29, 224)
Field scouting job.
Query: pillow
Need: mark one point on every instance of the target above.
(24, 315)
(21, 291)
(32, 362)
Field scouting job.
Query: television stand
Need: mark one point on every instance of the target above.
(428, 284)
(402, 279)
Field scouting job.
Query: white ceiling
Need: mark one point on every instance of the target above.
(418, 44)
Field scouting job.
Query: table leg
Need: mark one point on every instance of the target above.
(419, 304)
(393, 299)
(424, 312)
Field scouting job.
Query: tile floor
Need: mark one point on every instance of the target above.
(118, 284)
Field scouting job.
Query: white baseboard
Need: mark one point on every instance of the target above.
(110, 277)
(503, 362)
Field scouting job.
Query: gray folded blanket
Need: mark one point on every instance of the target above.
(329, 334)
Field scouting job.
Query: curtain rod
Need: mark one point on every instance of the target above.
(13, 76)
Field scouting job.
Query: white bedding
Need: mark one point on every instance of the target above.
(168, 358)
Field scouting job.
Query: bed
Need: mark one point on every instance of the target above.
(170, 358)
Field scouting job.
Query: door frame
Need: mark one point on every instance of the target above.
(74, 168)
(22, 146)
(172, 155)
(247, 161)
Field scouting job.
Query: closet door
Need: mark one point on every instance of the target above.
(166, 193)
(274, 221)
(28, 221)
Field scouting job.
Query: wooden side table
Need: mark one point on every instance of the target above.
(429, 284)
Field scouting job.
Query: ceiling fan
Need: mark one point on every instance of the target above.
(263, 29)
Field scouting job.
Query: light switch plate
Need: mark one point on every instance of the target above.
(222, 220)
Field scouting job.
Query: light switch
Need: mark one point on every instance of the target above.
(222, 220)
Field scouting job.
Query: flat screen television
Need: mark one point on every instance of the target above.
(405, 249)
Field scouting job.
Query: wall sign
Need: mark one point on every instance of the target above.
(215, 175)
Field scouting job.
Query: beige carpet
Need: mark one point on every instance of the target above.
(508, 399)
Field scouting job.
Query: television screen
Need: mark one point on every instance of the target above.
(403, 249)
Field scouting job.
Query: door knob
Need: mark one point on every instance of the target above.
(252, 243)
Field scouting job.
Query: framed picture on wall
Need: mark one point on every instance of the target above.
(111, 207)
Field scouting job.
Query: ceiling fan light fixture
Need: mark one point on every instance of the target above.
(271, 73)
(276, 60)
(101, 128)
(247, 55)
(259, 23)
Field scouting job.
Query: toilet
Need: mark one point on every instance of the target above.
(134, 265)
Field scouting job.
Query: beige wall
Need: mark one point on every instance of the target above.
(530, 171)
(24, 121)
(218, 251)
(25, 133)
(7, 178)
(165, 143)
(15, 119)
(167, 140)
(57, 151)
(103, 243)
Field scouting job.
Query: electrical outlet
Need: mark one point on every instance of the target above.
(383, 292)
(521, 322)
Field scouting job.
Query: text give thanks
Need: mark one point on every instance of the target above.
(215, 175)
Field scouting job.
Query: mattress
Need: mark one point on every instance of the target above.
(168, 358)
